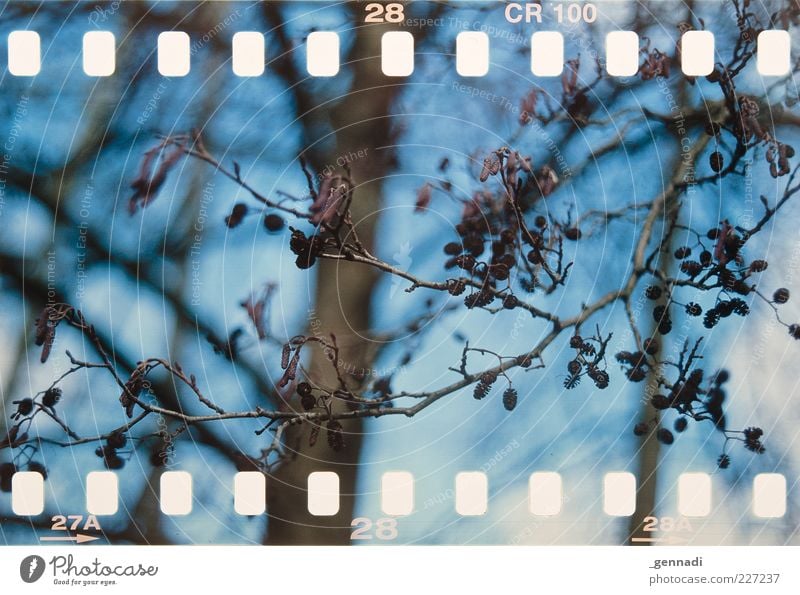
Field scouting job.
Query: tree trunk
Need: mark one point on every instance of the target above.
(342, 305)
(649, 445)
(647, 475)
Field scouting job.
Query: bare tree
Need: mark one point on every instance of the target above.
(513, 250)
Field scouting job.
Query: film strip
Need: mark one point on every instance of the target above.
(397, 493)
(399, 273)
(773, 53)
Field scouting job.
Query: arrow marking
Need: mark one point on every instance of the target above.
(79, 538)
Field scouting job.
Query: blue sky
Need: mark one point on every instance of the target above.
(581, 433)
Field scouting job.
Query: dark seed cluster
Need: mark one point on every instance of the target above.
(7, 471)
(307, 400)
(510, 398)
(335, 435)
(484, 385)
(589, 361)
(695, 400)
(24, 408)
(51, 397)
(306, 249)
(752, 440)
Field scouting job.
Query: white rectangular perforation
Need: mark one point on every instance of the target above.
(27, 493)
(323, 493)
(248, 53)
(472, 53)
(622, 53)
(397, 493)
(547, 53)
(397, 53)
(102, 492)
(773, 53)
(99, 53)
(769, 495)
(24, 53)
(544, 493)
(249, 493)
(697, 53)
(619, 494)
(322, 53)
(694, 494)
(174, 56)
(176, 493)
(471, 493)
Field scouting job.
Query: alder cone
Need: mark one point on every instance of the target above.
(510, 399)
(335, 435)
